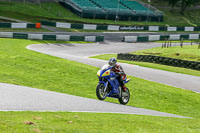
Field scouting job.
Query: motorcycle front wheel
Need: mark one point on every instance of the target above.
(101, 94)
(125, 96)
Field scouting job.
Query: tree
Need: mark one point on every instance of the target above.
(184, 3)
(38, 1)
(187, 3)
(172, 3)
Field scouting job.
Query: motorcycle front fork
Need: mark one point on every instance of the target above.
(106, 85)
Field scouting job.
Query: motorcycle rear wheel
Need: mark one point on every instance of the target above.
(101, 95)
(125, 96)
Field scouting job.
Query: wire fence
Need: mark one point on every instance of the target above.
(167, 43)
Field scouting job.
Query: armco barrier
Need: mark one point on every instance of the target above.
(17, 25)
(161, 60)
(150, 38)
(33, 36)
(119, 28)
(81, 26)
(20, 36)
(5, 25)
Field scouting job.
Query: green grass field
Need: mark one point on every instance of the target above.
(4, 20)
(189, 52)
(23, 30)
(52, 11)
(28, 68)
(65, 122)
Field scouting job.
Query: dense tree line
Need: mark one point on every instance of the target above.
(182, 3)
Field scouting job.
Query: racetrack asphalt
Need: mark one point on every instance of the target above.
(21, 98)
(81, 52)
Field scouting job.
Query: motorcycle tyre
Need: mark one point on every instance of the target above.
(121, 98)
(98, 92)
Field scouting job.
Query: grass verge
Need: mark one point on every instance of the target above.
(62, 122)
(189, 52)
(23, 30)
(28, 68)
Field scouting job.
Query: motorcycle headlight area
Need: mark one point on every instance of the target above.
(102, 79)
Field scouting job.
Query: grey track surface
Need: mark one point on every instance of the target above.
(80, 53)
(20, 98)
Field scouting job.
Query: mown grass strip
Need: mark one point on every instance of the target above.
(23, 30)
(28, 68)
(62, 122)
(188, 52)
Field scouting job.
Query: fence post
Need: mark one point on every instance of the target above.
(170, 45)
(181, 43)
(165, 42)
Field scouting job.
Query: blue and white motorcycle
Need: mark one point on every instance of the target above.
(109, 86)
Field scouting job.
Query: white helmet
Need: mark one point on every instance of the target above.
(112, 61)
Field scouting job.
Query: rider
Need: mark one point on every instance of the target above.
(118, 70)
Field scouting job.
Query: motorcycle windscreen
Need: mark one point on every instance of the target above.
(106, 73)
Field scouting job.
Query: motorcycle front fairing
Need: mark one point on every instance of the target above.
(103, 75)
(106, 76)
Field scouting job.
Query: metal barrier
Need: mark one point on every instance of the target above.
(34, 36)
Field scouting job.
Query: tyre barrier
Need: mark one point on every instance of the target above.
(151, 38)
(118, 27)
(34, 36)
(160, 60)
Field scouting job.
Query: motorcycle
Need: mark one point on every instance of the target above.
(109, 86)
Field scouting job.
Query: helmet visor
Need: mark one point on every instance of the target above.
(111, 63)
